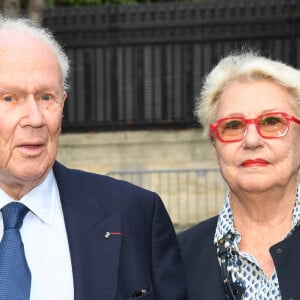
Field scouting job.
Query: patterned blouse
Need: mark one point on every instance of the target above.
(244, 268)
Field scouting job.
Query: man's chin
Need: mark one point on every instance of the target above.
(32, 172)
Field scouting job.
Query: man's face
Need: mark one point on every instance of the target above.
(31, 106)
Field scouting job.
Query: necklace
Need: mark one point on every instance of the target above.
(230, 264)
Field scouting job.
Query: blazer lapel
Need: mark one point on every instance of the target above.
(94, 237)
(95, 250)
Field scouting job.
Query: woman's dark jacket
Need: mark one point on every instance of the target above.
(203, 273)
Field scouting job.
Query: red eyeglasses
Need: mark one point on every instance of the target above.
(269, 126)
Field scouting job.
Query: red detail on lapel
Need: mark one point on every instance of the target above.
(108, 234)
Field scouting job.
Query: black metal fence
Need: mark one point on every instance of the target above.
(190, 195)
(141, 66)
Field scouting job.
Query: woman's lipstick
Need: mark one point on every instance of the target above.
(258, 162)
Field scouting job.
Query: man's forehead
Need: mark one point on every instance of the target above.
(23, 45)
(13, 38)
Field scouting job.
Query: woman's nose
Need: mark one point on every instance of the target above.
(252, 136)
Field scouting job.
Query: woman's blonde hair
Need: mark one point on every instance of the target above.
(244, 66)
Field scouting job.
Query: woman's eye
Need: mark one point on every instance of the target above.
(270, 120)
(233, 124)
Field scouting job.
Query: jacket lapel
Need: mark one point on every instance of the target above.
(94, 236)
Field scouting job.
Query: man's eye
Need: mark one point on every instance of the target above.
(46, 97)
(9, 98)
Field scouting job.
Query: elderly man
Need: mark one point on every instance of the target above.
(85, 236)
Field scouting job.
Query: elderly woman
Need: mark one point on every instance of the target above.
(251, 106)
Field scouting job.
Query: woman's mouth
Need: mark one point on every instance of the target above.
(255, 163)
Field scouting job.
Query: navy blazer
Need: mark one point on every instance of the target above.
(203, 273)
(120, 237)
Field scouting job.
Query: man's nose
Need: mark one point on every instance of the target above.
(32, 113)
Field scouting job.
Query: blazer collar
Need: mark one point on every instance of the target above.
(94, 236)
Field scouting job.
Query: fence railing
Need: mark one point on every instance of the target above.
(141, 66)
(190, 195)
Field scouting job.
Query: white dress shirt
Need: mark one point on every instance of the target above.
(45, 242)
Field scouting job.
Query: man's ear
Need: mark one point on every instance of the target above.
(65, 96)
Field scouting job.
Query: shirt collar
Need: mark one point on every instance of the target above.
(225, 224)
(40, 200)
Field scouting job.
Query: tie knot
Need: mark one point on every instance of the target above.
(13, 215)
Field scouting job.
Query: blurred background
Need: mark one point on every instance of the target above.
(137, 70)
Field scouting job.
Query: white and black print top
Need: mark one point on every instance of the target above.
(244, 268)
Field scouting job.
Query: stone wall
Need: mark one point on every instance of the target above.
(188, 197)
(111, 151)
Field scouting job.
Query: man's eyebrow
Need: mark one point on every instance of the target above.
(18, 90)
(9, 90)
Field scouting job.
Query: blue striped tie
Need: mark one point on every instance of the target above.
(15, 277)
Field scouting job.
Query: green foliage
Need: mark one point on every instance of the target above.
(119, 1)
(52, 3)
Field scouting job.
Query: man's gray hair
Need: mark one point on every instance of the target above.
(29, 27)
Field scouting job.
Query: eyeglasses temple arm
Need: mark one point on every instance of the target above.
(294, 119)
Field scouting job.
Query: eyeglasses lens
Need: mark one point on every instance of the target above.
(272, 126)
(268, 126)
(232, 129)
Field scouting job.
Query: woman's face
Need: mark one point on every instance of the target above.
(256, 164)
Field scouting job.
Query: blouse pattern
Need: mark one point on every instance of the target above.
(244, 268)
